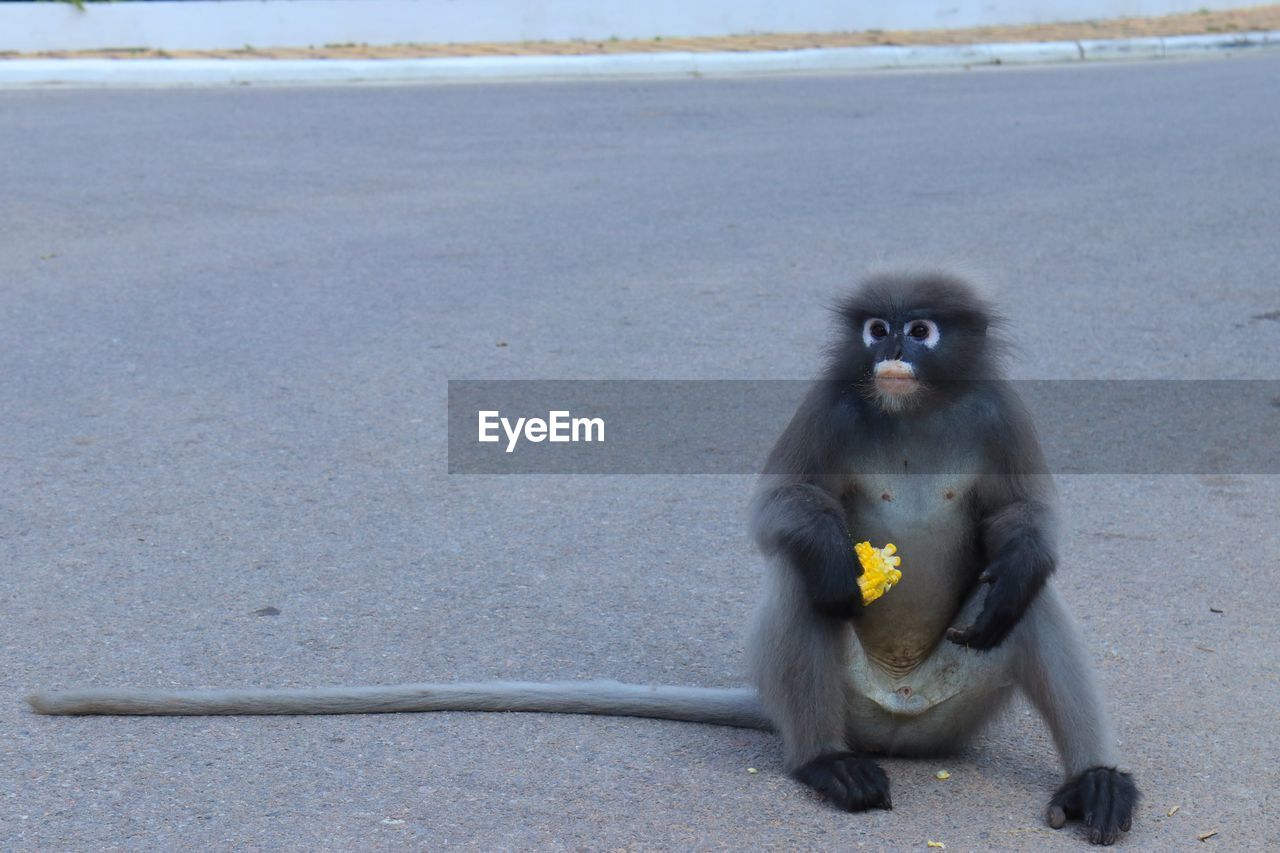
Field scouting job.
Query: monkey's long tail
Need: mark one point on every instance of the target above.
(738, 706)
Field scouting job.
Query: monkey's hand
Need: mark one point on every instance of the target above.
(831, 573)
(1010, 590)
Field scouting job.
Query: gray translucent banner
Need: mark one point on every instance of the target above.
(729, 426)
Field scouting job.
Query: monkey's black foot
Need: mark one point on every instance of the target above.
(1102, 797)
(848, 780)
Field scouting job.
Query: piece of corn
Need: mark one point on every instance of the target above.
(879, 569)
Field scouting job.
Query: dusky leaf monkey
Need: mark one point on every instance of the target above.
(911, 436)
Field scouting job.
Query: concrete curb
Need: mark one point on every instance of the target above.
(16, 73)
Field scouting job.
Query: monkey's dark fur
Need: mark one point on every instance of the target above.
(910, 437)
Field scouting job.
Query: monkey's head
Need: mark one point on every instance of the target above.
(911, 340)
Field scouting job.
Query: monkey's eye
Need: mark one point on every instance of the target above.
(874, 329)
(924, 331)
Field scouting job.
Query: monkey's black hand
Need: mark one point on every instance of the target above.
(1010, 591)
(999, 613)
(830, 570)
(848, 781)
(1102, 797)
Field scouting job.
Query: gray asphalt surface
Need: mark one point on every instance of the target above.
(226, 322)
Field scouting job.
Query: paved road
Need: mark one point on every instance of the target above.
(227, 318)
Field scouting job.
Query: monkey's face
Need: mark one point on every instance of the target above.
(912, 341)
(898, 356)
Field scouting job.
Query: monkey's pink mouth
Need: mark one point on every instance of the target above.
(896, 378)
(898, 386)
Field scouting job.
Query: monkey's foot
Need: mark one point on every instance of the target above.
(848, 781)
(1102, 797)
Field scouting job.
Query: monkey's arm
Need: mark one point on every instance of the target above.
(805, 525)
(1022, 558)
(1017, 524)
(796, 515)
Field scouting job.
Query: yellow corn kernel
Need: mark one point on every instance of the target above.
(879, 569)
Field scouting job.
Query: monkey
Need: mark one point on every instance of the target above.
(909, 435)
(912, 436)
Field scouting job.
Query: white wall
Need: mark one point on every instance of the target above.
(210, 24)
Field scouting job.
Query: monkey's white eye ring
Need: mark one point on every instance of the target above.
(922, 331)
(874, 329)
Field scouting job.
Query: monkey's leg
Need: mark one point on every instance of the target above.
(1053, 669)
(801, 666)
